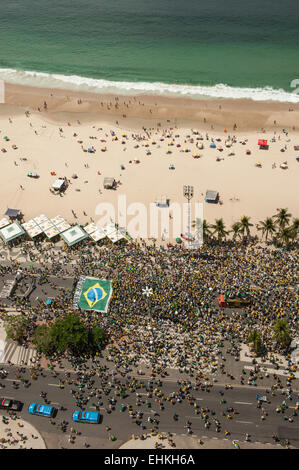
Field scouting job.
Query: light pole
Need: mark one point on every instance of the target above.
(188, 194)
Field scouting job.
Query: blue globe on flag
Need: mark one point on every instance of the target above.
(94, 294)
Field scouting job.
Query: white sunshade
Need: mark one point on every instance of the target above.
(57, 220)
(29, 225)
(110, 228)
(46, 225)
(42, 218)
(51, 232)
(98, 235)
(4, 222)
(115, 236)
(63, 226)
(91, 228)
(33, 232)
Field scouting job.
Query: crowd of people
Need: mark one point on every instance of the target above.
(177, 325)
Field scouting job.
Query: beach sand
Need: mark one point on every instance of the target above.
(244, 189)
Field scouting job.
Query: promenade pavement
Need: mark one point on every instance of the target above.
(19, 434)
(186, 442)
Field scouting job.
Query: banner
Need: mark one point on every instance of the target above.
(92, 294)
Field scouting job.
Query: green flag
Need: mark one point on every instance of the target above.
(93, 294)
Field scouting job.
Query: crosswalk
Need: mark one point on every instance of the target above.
(16, 354)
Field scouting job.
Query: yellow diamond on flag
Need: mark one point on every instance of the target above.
(94, 294)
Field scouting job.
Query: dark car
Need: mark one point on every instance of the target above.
(8, 404)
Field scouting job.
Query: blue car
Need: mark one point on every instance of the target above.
(41, 410)
(86, 416)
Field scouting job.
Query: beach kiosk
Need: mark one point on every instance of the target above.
(212, 196)
(11, 232)
(59, 185)
(263, 144)
(13, 214)
(109, 183)
(162, 201)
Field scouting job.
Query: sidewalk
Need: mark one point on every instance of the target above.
(19, 434)
(185, 442)
(247, 356)
(13, 352)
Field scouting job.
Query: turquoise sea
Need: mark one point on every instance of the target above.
(221, 48)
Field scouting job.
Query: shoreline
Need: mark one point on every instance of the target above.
(215, 113)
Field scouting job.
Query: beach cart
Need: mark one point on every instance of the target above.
(32, 174)
(263, 144)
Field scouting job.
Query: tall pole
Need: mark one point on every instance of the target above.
(188, 194)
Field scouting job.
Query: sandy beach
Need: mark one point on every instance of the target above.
(156, 132)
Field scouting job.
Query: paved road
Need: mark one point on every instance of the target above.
(241, 398)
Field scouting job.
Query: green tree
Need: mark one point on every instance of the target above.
(69, 333)
(236, 230)
(255, 338)
(284, 236)
(16, 327)
(294, 228)
(43, 340)
(282, 218)
(206, 228)
(97, 338)
(245, 225)
(281, 332)
(267, 227)
(219, 229)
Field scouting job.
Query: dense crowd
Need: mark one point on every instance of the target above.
(180, 323)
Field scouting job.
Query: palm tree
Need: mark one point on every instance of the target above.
(245, 225)
(294, 228)
(236, 229)
(267, 226)
(281, 332)
(202, 225)
(284, 236)
(282, 218)
(255, 338)
(219, 229)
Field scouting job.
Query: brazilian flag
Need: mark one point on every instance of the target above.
(95, 294)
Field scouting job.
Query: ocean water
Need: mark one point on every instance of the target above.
(193, 48)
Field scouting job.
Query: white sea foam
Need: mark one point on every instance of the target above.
(75, 82)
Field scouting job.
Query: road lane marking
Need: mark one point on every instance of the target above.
(242, 403)
(54, 385)
(244, 422)
(13, 380)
